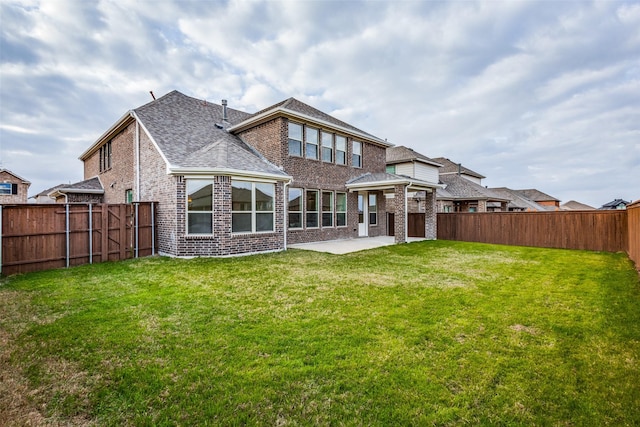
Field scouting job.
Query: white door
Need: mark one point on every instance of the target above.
(363, 229)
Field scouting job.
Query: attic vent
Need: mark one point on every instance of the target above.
(219, 126)
(224, 110)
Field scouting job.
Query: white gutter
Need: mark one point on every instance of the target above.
(137, 172)
(391, 184)
(109, 131)
(172, 170)
(406, 214)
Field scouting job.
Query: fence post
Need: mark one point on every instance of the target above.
(153, 229)
(90, 235)
(137, 230)
(1, 220)
(66, 219)
(105, 232)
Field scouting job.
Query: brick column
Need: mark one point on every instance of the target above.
(430, 217)
(400, 215)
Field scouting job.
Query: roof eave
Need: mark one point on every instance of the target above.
(116, 127)
(260, 118)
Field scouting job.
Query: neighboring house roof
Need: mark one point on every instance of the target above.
(88, 186)
(536, 195)
(449, 167)
(384, 180)
(518, 201)
(297, 109)
(402, 154)
(24, 181)
(572, 205)
(458, 187)
(191, 136)
(45, 193)
(614, 203)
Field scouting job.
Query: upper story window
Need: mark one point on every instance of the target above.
(391, 168)
(105, 157)
(252, 207)
(341, 150)
(356, 158)
(7, 188)
(311, 140)
(295, 208)
(199, 206)
(327, 147)
(295, 139)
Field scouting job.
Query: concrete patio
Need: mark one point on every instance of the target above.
(350, 245)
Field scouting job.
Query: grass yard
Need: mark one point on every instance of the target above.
(429, 333)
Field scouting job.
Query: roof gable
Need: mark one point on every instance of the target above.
(536, 195)
(7, 171)
(402, 154)
(460, 188)
(191, 134)
(449, 167)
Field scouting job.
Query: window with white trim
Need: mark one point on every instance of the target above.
(391, 168)
(199, 206)
(327, 209)
(295, 208)
(252, 207)
(341, 209)
(373, 209)
(312, 209)
(311, 140)
(7, 188)
(356, 158)
(341, 150)
(327, 147)
(295, 139)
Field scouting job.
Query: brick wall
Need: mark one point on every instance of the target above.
(430, 220)
(400, 216)
(271, 140)
(120, 176)
(9, 199)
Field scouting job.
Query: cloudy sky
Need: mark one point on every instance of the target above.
(542, 94)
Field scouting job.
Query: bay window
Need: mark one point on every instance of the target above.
(199, 206)
(252, 207)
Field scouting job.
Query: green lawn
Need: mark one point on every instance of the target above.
(429, 333)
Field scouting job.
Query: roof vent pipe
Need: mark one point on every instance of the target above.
(224, 110)
(459, 168)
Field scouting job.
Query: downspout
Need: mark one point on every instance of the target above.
(406, 213)
(285, 220)
(137, 160)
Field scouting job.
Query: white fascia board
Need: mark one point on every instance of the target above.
(105, 135)
(211, 172)
(382, 185)
(305, 117)
(62, 191)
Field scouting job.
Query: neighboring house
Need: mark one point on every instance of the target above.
(572, 205)
(13, 188)
(517, 202)
(87, 191)
(228, 182)
(405, 162)
(549, 202)
(463, 195)
(615, 204)
(451, 168)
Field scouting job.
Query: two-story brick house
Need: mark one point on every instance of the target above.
(228, 182)
(13, 188)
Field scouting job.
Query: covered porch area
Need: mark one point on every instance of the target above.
(395, 189)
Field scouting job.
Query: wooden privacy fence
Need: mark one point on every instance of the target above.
(42, 237)
(633, 225)
(590, 230)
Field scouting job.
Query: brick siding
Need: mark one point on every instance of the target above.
(11, 199)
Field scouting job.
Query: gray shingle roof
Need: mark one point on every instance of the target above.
(383, 177)
(91, 184)
(536, 195)
(191, 134)
(401, 154)
(614, 203)
(572, 205)
(518, 201)
(449, 167)
(461, 188)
